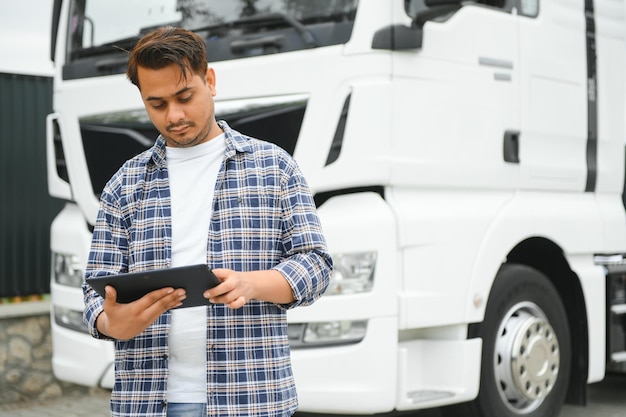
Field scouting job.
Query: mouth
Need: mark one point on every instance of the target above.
(179, 129)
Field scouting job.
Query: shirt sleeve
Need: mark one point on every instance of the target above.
(307, 265)
(107, 256)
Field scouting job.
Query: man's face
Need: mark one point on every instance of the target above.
(181, 109)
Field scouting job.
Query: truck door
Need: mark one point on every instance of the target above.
(456, 117)
(553, 140)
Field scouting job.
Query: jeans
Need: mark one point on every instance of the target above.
(186, 410)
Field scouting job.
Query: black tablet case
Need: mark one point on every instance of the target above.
(195, 279)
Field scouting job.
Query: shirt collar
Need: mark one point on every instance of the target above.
(235, 142)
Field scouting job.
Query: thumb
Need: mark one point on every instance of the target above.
(221, 273)
(110, 294)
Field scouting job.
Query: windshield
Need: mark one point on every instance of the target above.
(100, 33)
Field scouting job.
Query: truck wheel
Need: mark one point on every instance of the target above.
(526, 348)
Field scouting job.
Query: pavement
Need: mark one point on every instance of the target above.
(93, 404)
(606, 399)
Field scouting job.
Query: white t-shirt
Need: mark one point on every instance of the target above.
(192, 175)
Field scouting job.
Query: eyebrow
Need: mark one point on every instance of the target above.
(179, 92)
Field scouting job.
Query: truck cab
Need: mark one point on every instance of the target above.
(466, 158)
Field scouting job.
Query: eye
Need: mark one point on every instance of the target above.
(158, 106)
(185, 99)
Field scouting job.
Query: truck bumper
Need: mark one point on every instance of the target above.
(81, 359)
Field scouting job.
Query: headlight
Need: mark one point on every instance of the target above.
(328, 333)
(353, 273)
(70, 319)
(66, 269)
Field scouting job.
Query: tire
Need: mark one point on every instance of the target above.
(526, 356)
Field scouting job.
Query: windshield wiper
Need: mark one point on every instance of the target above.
(306, 35)
(115, 47)
(263, 20)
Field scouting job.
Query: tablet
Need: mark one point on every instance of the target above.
(195, 279)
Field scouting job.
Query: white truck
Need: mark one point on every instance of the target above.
(467, 160)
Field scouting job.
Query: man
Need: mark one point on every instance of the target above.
(203, 193)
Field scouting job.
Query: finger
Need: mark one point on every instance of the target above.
(232, 299)
(174, 300)
(218, 291)
(150, 308)
(221, 273)
(110, 294)
(161, 300)
(238, 303)
(162, 293)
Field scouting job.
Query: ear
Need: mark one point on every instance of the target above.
(210, 80)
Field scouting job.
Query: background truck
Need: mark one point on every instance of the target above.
(467, 160)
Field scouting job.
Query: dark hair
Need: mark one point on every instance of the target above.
(166, 46)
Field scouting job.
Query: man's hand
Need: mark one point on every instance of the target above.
(237, 288)
(125, 321)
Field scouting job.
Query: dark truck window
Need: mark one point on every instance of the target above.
(111, 139)
(100, 33)
(525, 7)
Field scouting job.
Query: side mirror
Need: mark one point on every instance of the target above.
(442, 8)
(400, 37)
(397, 38)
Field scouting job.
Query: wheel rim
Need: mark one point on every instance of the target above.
(526, 359)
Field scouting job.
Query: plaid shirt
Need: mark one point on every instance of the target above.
(263, 218)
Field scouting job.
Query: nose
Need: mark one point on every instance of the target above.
(175, 113)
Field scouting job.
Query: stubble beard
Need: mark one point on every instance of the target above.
(182, 142)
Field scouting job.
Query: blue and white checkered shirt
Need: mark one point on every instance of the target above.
(263, 218)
